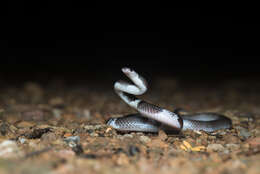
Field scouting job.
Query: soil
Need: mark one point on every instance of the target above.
(60, 128)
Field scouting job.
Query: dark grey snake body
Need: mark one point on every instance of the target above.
(151, 118)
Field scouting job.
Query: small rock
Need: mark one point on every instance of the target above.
(4, 128)
(128, 136)
(66, 135)
(215, 147)
(232, 147)
(144, 139)
(243, 133)
(254, 142)
(25, 124)
(162, 135)
(49, 137)
(133, 150)
(226, 151)
(97, 127)
(72, 141)
(78, 149)
(93, 134)
(8, 148)
(122, 159)
(36, 133)
(89, 156)
(89, 127)
(22, 140)
(92, 127)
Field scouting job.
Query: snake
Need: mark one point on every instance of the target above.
(152, 118)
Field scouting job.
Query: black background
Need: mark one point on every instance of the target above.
(75, 41)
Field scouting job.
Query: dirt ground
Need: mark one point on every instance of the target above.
(60, 128)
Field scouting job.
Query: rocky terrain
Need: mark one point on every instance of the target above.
(60, 128)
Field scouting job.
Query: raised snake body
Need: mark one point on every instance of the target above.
(151, 118)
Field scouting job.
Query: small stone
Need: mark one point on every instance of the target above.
(108, 129)
(162, 135)
(133, 150)
(93, 127)
(67, 135)
(89, 127)
(22, 140)
(254, 142)
(4, 128)
(232, 147)
(72, 141)
(128, 136)
(49, 137)
(8, 148)
(37, 133)
(226, 151)
(93, 134)
(144, 139)
(25, 124)
(78, 149)
(97, 127)
(12, 128)
(122, 159)
(243, 133)
(215, 147)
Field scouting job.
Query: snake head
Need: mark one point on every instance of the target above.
(129, 72)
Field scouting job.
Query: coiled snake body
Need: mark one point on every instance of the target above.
(151, 118)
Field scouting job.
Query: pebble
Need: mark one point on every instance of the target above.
(92, 127)
(128, 136)
(25, 124)
(49, 137)
(8, 148)
(4, 129)
(144, 139)
(22, 140)
(37, 133)
(232, 146)
(93, 134)
(162, 135)
(243, 133)
(77, 149)
(133, 150)
(215, 147)
(226, 151)
(72, 141)
(254, 142)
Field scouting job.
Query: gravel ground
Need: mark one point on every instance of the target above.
(60, 128)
